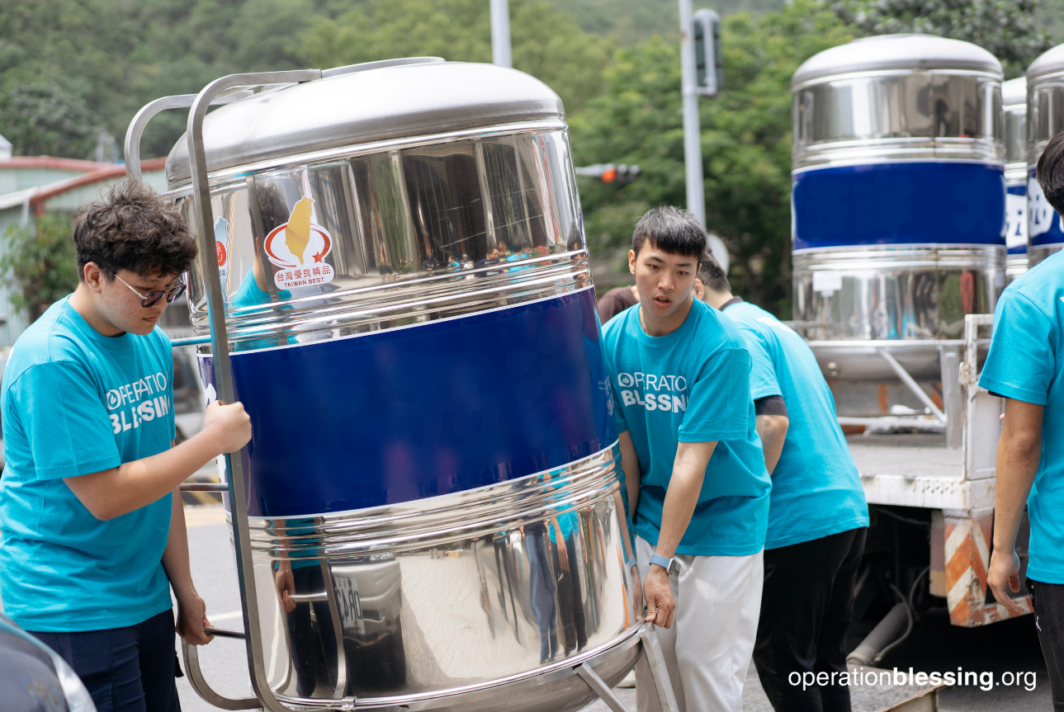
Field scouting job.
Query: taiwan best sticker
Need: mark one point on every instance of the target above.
(299, 248)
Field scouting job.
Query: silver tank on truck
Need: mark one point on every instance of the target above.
(433, 481)
(1045, 119)
(898, 199)
(1014, 106)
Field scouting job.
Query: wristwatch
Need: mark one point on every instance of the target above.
(671, 567)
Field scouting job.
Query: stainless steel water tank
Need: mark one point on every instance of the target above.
(1014, 106)
(898, 193)
(433, 478)
(1045, 119)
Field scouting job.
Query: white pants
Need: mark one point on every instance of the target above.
(707, 650)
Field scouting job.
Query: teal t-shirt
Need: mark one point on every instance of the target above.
(692, 385)
(250, 295)
(77, 402)
(816, 491)
(1026, 363)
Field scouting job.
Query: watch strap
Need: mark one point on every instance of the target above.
(662, 561)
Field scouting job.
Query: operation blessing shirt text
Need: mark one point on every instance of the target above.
(643, 383)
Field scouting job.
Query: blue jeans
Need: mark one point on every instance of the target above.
(124, 669)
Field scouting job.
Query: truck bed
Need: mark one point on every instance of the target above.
(916, 470)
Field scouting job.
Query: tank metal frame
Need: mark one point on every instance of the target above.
(226, 90)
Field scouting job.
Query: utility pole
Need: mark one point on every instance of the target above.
(500, 33)
(692, 134)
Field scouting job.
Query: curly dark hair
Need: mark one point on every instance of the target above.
(133, 228)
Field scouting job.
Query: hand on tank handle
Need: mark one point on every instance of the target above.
(661, 606)
(229, 426)
(285, 584)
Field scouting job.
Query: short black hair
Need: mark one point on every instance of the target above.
(1051, 172)
(670, 229)
(133, 228)
(712, 274)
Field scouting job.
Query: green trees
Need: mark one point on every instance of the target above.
(1009, 29)
(38, 265)
(107, 58)
(546, 43)
(42, 119)
(746, 143)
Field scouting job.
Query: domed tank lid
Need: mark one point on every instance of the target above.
(1014, 92)
(889, 52)
(364, 103)
(1049, 62)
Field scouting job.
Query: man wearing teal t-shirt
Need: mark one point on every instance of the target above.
(695, 474)
(818, 517)
(1026, 367)
(93, 525)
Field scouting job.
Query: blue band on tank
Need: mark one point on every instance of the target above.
(1043, 222)
(899, 204)
(443, 407)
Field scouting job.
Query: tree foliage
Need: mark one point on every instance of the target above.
(38, 264)
(633, 21)
(746, 142)
(1009, 29)
(545, 43)
(44, 120)
(113, 56)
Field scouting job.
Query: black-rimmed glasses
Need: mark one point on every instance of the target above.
(151, 298)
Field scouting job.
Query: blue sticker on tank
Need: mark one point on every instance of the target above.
(1016, 218)
(1043, 223)
(899, 203)
(399, 415)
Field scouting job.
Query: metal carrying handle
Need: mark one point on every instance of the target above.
(658, 674)
(205, 487)
(148, 112)
(223, 368)
(222, 633)
(195, 677)
(221, 91)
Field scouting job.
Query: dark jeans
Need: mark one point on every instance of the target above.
(541, 589)
(125, 669)
(309, 579)
(570, 602)
(1048, 600)
(806, 605)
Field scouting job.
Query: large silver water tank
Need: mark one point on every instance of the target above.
(1045, 119)
(898, 194)
(1014, 106)
(433, 477)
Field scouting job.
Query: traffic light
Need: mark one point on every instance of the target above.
(709, 60)
(609, 173)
